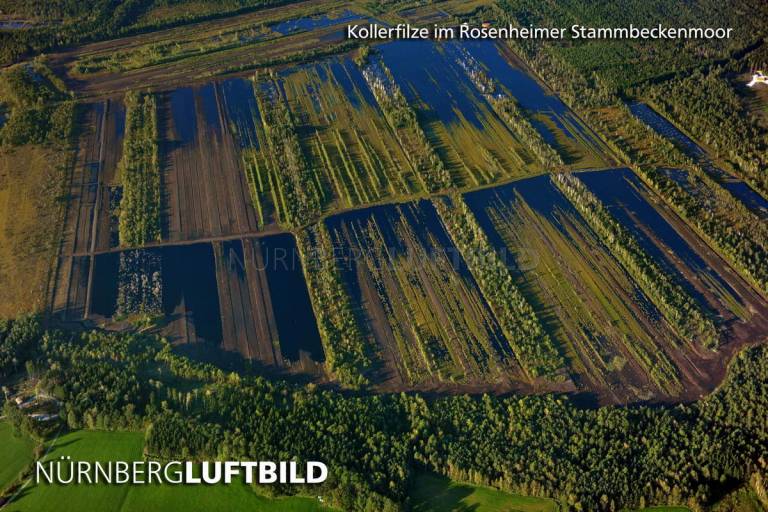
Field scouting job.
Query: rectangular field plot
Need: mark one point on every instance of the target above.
(471, 140)
(417, 301)
(177, 56)
(242, 296)
(738, 188)
(679, 251)
(265, 308)
(88, 226)
(344, 152)
(110, 154)
(614, 338)
(345, 136)
(204, 191)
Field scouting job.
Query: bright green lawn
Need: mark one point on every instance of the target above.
(15, 454)
(88, 445)
(433, 493)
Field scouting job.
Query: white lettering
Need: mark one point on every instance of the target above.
(267, 473)
(312, 466)
(230, 469)
(39, 468)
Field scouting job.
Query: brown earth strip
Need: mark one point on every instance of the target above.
(79, 227)
(248, 323)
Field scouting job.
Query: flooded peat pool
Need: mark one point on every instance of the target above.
(183, 113)
(425, 73)
(295, 319)
(526, 90)
(314, 22)
(190, 285)
(105, 276)
(241, 109)
(619, 191)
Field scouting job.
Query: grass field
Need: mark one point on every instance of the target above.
(15, 454)
(433, 493)
(29, 186)
(103, 446)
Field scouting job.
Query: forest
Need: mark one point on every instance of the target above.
(35, 105)
(707, 106)
(598, 71)
(588, 459)
(17, 340)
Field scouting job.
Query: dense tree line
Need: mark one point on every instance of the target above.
(403, 119)
(608, 458)
(139, 172)
(508, 109)
(17, 340)
(633, 141)
(346, 348)
(588, 459)
(297, 194)
(743, 251)
(516, 119)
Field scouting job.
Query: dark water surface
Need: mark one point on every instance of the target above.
(296, 324)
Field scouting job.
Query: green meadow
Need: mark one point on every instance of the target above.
(15, 454)
(665, 509)
(103, 446)
(430, 493)
(434, 493)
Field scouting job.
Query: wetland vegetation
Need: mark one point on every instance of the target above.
(530, 343)
(675, 304)
(263, 240)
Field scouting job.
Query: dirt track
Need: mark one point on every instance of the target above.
(183, 72)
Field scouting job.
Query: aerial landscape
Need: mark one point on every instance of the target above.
(466, 274)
